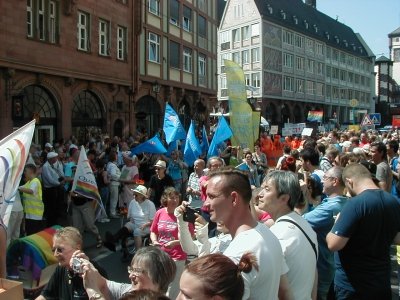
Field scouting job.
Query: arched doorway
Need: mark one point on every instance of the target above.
(285, 113)
(87, 116)
(297, 113)
(270, 114)
(35, 101)
(148, 114)
(118, 128)
(184, 114)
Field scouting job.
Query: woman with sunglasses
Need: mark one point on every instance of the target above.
(150, 269)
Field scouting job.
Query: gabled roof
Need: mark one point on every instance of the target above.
(221, 7)
(395, 33)
(320, 26)
(382, 59)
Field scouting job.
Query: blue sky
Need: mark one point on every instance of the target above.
(373, 19)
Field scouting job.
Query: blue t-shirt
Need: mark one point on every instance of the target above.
(370, 220)
(174, 170)
(393, 166)
(69, 171)
(321, 220)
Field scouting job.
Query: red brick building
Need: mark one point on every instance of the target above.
(85, 67)
(70, 63)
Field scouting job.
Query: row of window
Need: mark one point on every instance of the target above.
(238, 35)
(346, 59)
(301, 64)
(343, 75)
(246, 56)
(104, 32)
(297, 85)
(253, 79)
(176, 60)
(176, 19)
(43, 21)
(336, 93)
(300, 41)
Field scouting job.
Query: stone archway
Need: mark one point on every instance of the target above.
(118, 128)
(298, 114)
(87, 116)
(271, 114)
(148, 115)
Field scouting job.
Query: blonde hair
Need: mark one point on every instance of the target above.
(71, 235)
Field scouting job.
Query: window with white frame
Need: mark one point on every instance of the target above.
(343, 75)
(335, 73)
(310, 87)
(225, 38)
(246, 56)
(319, 48)
(335, 55)
(343, 93)
(223, 83)
(255, 80)
(227, 56)
(288, 60)
(335, 92)
(320, 69)
(299, 41)
(29, 18)
(247, 79)
(121, 43)
(299, 63)
(245, 32)
(187, 60)
(310, 66)
(328, 52)
(202, 65)
(104, 37)
(52, 22)
(299, 85)
(154, 7)
(288, 83)
(288, 37)
(236, 57)
(83, 31)
(255, 55)
(350, 77)
(154, 47)
(309, 45)
(255, 30)
(328, 91)
(187, 19)
(238, 11)
(328, 71)
(174, 12)
(319, 89)
(236, 35)
(41, 20)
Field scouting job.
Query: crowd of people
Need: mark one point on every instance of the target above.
(318, 225)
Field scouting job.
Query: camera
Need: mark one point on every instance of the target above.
(77, 265)
(190, 214)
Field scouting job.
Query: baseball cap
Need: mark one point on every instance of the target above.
(140, 189)
(161, 164)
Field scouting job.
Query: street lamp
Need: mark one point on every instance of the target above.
(156, 88)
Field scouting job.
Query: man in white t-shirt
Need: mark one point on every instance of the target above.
(228, 197)
(280, 194)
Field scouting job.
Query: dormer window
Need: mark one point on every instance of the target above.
(306, 24)
(346, 44)
(354, 47)
(283, 14)
(337, 39)
(270, 9)
(327, 35)
(295, 20)
(315, 28)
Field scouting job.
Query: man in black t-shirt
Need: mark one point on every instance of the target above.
(362, 235)
(158, 183)
(65, 284)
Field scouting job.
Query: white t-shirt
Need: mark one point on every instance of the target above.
(141, 213)
(299, 255)
(262, 284)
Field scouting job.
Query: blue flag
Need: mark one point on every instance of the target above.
(204, 141)
(192, 147)
(173, 128)
(152, 145)
(222, 133)
(172, 147)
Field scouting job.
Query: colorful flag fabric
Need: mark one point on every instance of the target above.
(173, 128)
(192, 147)
(204, 141)
(84, 182)
(241, 114)
(152, 145)
(315, 116)
(172, 147)
(222, 133)
(14, 150)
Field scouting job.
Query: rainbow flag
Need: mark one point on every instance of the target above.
(85, 183)
(14, 151)
(315, 116)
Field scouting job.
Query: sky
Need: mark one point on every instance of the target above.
(373, 19)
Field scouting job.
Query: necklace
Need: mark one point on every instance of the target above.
(70, 277)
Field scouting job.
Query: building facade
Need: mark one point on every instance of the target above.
(88, 67)
(297, 58)
(394, 48)
(177, 61)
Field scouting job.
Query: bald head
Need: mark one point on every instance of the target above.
(356, 172)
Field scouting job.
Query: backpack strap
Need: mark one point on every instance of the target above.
(305, 234)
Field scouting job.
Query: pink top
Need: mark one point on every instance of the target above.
(166, 227)
(203, 190)
(264, 217)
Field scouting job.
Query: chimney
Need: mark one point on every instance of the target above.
(312, 3)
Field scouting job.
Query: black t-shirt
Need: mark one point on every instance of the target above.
(158, 186)
(370, 221)
(66, 285)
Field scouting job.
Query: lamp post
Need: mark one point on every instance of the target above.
(156, 88)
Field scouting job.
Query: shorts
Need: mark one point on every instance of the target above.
(135, 228)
